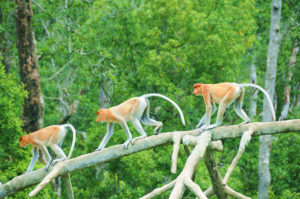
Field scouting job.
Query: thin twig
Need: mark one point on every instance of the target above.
(60, 69)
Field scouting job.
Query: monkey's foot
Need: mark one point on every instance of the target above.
(57, 160)
(246, 122)
(203, 128)
(135, 139)
(158, 128)
(125, 144)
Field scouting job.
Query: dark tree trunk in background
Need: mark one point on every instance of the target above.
(4, 45)
(28, 66)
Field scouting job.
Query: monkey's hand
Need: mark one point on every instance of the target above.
(99, 148)
(203, 128)
(212, 126)
(199, 124)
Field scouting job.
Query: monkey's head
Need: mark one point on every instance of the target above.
(101, 115)
(23, 140)
(197, 89)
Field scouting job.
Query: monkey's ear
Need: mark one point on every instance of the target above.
(197, 85)
(97, 112)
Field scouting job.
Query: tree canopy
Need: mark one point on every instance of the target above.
(94, 54)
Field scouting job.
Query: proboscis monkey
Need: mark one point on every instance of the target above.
(51, 136)
(224, 94)
(136, 110)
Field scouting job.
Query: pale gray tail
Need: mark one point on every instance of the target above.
(168, 99)
(266, 94)
(74, 138)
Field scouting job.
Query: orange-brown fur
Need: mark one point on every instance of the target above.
(135, 110)
(124, 110)
(42, 135)
(225, 94)
(51, 136)
(216, 91)
(222, 93)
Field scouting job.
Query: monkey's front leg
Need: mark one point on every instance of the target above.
(109, 132)
(35, 153)
(204, 118)
(222, 108)
(202, 121)
(46, 154)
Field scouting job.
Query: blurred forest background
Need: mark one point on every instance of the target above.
(98, 53)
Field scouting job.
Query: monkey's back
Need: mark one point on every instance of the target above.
(45, 133)
(125, 108)
(218, 91)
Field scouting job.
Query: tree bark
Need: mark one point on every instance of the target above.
(253, 97)
(266, 141)
(28, 66)
(216, 178)
(4, 45)
(287, 87)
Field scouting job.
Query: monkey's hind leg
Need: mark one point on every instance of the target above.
(150, 122)
(239, 110)
(146, 120)
(59, 152)
(137, 125)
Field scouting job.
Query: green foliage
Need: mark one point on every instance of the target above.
(129, 48)
(11, 100)
(285, 164)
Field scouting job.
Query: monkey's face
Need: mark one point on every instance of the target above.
(197, 89)
(101, 115)
(23, 141)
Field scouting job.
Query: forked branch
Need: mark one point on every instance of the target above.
(261, 128)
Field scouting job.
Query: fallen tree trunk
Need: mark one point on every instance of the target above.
(62, 168)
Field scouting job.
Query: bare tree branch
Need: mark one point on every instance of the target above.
(53, 76)
(176, 145)
(62, 168)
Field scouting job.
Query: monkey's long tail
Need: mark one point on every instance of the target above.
(266, 94)
(168, 99)
(74, 138)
